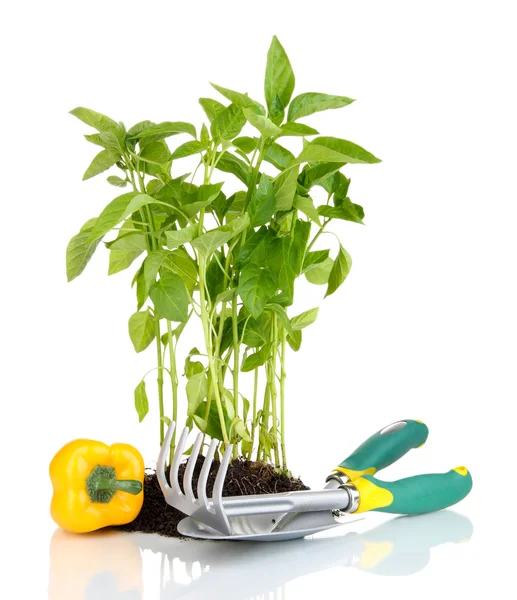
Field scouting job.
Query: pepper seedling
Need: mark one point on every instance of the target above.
(226, 262)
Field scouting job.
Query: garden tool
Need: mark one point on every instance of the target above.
(350, 489)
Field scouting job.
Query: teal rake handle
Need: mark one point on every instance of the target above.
(384, 448)
(413, 495)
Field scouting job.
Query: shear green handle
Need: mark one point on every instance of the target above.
(413, 495)
(384, 448)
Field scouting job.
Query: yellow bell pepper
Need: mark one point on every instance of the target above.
(96, 485)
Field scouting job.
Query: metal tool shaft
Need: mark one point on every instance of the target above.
(302, 501)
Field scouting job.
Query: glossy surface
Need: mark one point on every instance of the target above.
(118, 566)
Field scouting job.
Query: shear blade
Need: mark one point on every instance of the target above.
(257, 527)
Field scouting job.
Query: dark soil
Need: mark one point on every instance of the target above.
(243, 478)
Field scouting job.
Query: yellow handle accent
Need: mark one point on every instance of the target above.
(463, 471)
(371, 496)
(353, 475)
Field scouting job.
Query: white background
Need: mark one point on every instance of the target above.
(425, 326)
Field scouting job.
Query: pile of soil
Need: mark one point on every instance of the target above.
(243, 478)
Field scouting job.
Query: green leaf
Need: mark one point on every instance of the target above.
(279, 79)
(113, 132)
(319, 274)
(119, 260)
(312, 259)
(305, 319)
(228, 123)
(79, 250)
(180, 237)
(256, 286)
(197, 389)
(345, 151)
(280, 312)
(257, 359)
(112, 215)
(212, 426)
(170, 297)
(129, 238)
(285, 188)
(306, 205)
(204, 135)
(152, 265)
(100, 140)
(141, 401)
(311, 176)
(188, 149)
(240, 429)
(140, 126)
(346, 212)
(180, 262)
(228, 163)
(266, 127)
(312, 102)
(155, 153)
(141, 330)
(240, 100)
(251, 246)
(254, 334)
(340, 270)
(212, 108)
(278, 156)
(314, 153)
(285, 257)
(225, 296)
(141, 291)
(200, 198)
(117, 181)
(211, 240)
(246, 144)
(102, 162)
(138, 202)
(262, 203)
(193, 367)
(297, 129)
(165, 130)
(215, 280)
(295, 340)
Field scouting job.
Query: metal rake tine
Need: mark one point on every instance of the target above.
(217, 495)
(189, 470)
(162, 457)
(221, 475)
(176, 461)
(203, 477)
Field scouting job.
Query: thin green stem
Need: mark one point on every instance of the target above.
(147, 218)
(160, 378)
(254, 410)
(236, 356)
(205, 318)
(264, 420)
(174, 385)
(282, 397)
(272, 378)
(317, 234)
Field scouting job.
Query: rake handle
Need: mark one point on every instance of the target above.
(384, 448)
(413, 495)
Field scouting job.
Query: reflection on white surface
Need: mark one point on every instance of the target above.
(109, 565)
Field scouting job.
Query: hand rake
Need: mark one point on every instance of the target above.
(351, 489)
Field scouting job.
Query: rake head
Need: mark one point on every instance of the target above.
(255, 516)
(209, 511)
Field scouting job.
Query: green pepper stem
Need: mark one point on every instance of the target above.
(102, 484)
(131, 486)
